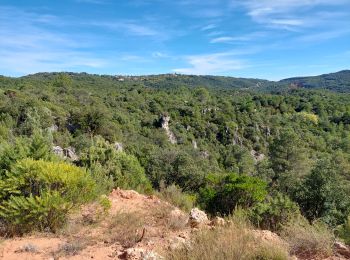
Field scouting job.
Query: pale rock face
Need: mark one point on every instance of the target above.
(58, 150)
(198, 217)
(257, 156)
(165, 125)
(69, 152)
(65, 153)
(118, 146)
(194, 143)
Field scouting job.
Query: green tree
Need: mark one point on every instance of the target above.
(223, 193)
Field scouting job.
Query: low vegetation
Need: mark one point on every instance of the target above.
(308, 240)
(234, 241)
(276, 153)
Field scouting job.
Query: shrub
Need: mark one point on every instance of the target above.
(23, 214)
(224, 193)
(174, 195)
(308, 240)
(37, 195)
(125, 170)
(273, 212)
(343, 231)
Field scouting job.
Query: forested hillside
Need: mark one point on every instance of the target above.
(339, 81)
(272, 155)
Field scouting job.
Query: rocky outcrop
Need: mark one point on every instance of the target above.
(198, 218)
(65, 153)
(257, 156)
(118, 147)
(194, 144)
(165, 125)
(58, 150)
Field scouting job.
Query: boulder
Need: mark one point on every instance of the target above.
(198, 218)
(141, 253)
(58, 150)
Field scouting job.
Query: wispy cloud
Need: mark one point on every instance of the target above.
(236, 39)
(28, 45)
(128, 27)
(208, 27)
(215, 63)
(286, 14)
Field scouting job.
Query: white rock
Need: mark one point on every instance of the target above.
(198, 217)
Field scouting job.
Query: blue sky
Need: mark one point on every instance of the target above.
(270, 39)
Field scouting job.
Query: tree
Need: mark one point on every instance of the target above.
(223, 193)
(324, 195)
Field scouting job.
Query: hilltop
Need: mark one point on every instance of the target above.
(338, 81)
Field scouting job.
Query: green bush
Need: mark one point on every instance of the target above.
(273, 212)
(125, 170)
(343, 231)
(223, 193)
(37, 195)
(23, 214)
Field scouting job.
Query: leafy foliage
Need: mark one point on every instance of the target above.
(287, 143)
(39, 194)
(224, 193)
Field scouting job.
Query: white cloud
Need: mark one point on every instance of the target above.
(216, 63)
(128, 27)
(222, 39)
(208, 27)
(286, 14)
(242, 38)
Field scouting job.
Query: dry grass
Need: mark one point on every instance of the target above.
(125, 228)
(234, 241)
(176, 197)
(308, 240)
(177, 221)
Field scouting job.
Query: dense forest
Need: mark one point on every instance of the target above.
(271, 149)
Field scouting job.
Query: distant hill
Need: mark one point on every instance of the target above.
(338, 81)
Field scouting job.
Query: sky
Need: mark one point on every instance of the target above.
(270, 39)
